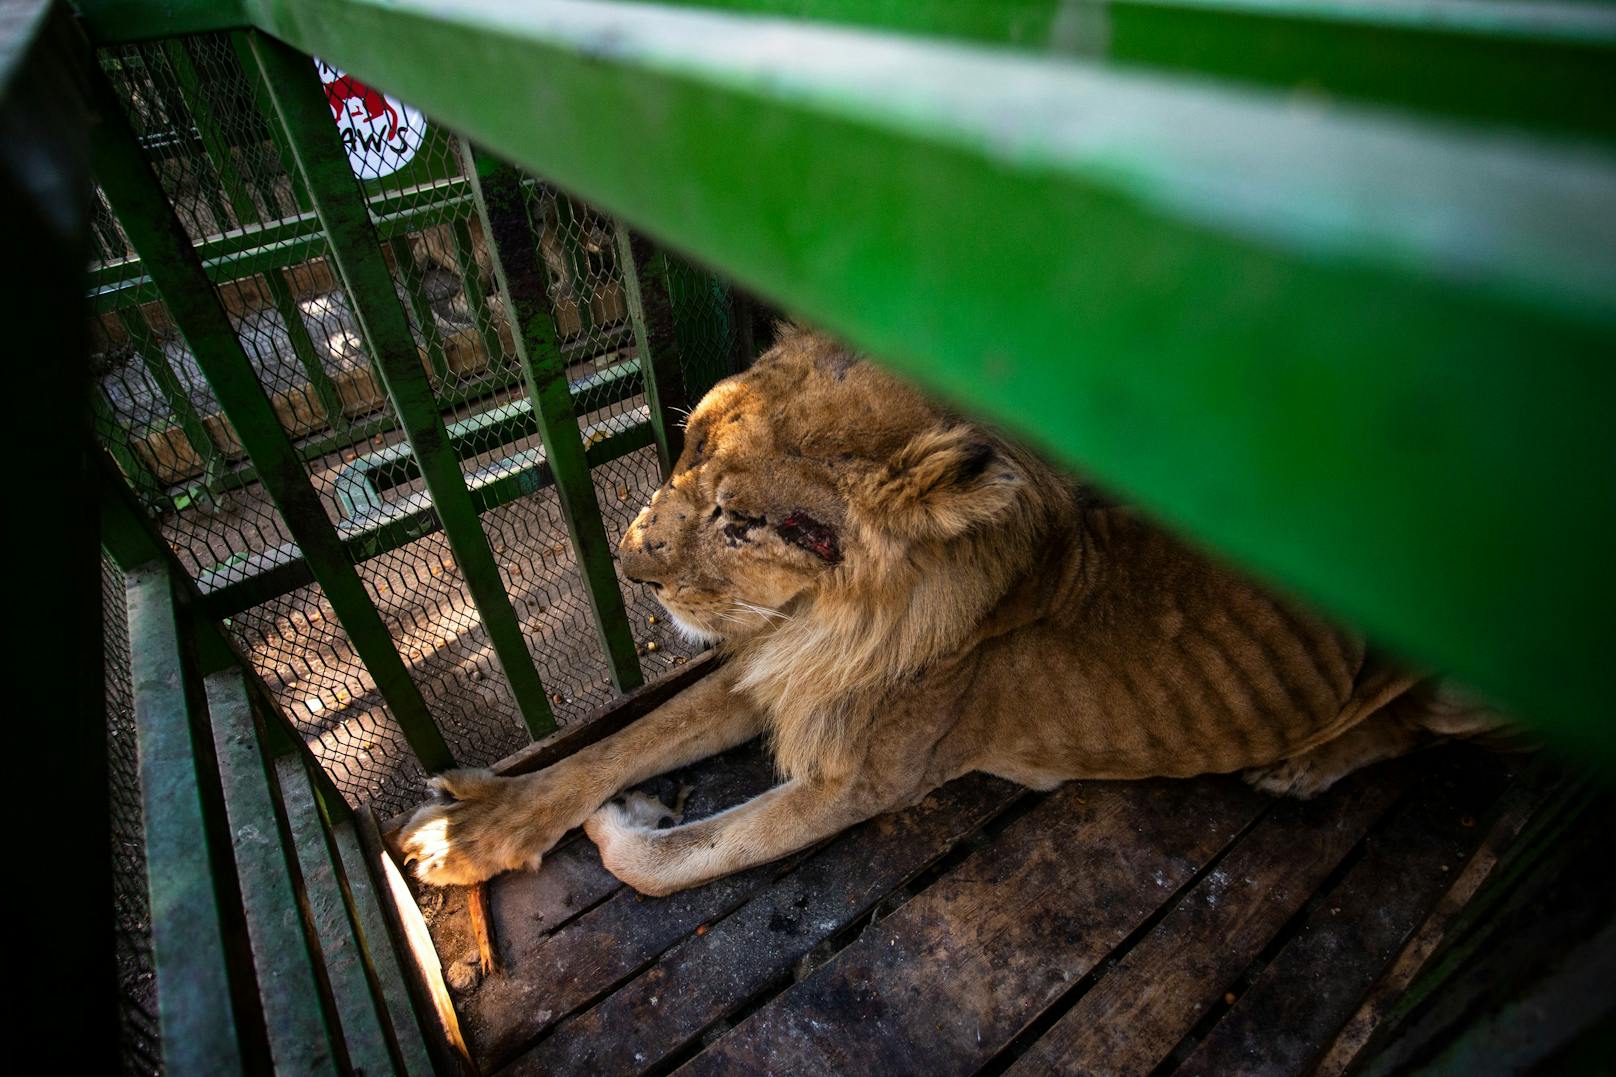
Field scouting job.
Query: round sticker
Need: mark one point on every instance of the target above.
(381, 132)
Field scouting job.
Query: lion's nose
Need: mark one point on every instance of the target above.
(639, 566)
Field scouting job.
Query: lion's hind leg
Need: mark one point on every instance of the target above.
(1380, 736)
(1432, 712)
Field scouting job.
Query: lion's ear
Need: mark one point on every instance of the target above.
(941, 484)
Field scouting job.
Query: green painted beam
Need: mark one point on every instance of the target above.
(497, 189)
(286, 954)
(113, 21)
(361, 1012)
(197, 1004)
(650, 309)
(388, 968)
(1366, 356)
(1525, 62)
(193, 303)
(295, 90)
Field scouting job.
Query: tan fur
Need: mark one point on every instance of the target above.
(905, 597)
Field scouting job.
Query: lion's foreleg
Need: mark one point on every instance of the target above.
(786, 818)
(496, 824)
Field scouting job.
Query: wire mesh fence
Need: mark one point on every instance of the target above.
(199, 108)
(137, 988)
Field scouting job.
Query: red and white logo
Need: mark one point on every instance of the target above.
(381, 133)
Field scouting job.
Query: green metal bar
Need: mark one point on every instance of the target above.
(302, 1039)
(392, 988)
(497, 190)
(173, 390)
(196, 1004)
(651, 313)
(194, 305)
(1363, 354)
(466, 258)
(115, 21)
(303, 110)
(360, 1011)
(412, 275)
(1533, 64)
(215, 144)
(298, 332)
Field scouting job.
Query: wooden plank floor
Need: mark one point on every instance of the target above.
(1191, 927)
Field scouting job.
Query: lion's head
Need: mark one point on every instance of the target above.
(834, 526)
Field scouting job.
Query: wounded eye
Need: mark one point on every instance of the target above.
(740, 527)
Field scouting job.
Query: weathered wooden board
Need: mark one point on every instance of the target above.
(947, 980)
(1525, 795)
(1304, 995)
(1178, 972)
(712, 974)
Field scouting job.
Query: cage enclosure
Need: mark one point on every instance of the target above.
(381, 358)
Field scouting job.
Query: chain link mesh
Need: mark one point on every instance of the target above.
(137, 986)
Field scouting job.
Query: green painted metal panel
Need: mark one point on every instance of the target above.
(354, 247)
(361, 1013)
(497, 190)
(1538, 65)
(196, 1005)
(290, 982)
(365, 896)
(1366, 355)
(650, 309)
(194, 305)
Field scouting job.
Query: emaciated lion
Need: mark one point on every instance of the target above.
(904, 597)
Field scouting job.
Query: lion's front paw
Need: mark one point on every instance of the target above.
(484, 828)
(622, 830)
